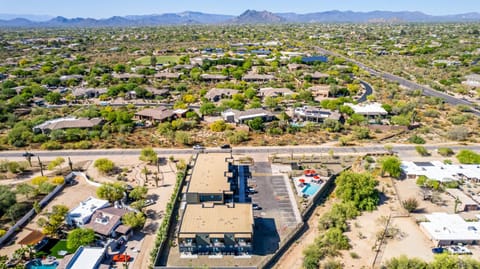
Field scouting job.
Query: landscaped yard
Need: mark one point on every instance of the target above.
(145, 60)
(59, 246)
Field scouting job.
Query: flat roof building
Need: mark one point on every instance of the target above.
(449, 229)
(368, 109)
(81, 214)
(440, 171)
(83, 258)
(212, 222)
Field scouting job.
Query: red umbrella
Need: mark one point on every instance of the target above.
(302, 180)
(316, 177)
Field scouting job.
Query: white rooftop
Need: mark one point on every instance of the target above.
(443, 226)
(87, 208)
(440, 171)
(86, 258)
(368, 108)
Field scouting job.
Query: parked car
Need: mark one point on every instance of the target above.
(121, 258)
(437, 250)
(148, 202)
(251, 190)
(225, 146)
(256, 207)
(198, 147)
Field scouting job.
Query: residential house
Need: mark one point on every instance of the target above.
(316, 114)
(67, 123)
(450, 229)
(369, 110)
(213, 78)
(168, 75)
(275, 92)
(107, 222)
(126, 76)
(240, 117)
(294, 67)
(157, 92)
(319, 92)
(81, 93)
(318, 75)
(84, 258)
(158, 114)
(71, 77)
(257, 78)
(472, 80)
(466, 202)
(441, 172)
(215, 94)
(81, 215)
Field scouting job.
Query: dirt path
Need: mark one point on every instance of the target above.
(293, 258)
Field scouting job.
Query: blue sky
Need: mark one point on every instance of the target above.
(108, 8)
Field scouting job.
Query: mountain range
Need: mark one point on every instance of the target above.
(247, 17)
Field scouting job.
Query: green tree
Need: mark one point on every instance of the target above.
(134, 219)
(445, 152)
(148, 155)
(358, 188)
(16, 211)
(466, 156)
(80, 237)
(104, 165)
(58, 161)
(7, 198)
(403, 262)
(422, 151)
(391, 165)
(256, 124)
(111, 191)
(138, 193)
(208, 108)
(53, 97)
(55, 220)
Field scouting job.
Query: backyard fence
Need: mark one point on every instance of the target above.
(30, 214)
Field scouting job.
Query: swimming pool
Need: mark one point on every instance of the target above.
(37, 264)
(310, 189)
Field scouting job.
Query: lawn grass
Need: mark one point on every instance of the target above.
(145, 60)
(61, 245)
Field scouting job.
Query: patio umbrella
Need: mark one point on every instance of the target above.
(302, 180)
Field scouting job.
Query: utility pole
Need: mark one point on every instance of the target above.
(70, 164)
(40, 164)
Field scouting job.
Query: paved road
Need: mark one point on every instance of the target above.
(368, 91)
(377, 148)
(427, 91)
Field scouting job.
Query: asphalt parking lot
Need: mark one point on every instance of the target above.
(272, 196)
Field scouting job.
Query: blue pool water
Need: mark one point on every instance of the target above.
(36, 264)
(310, 189)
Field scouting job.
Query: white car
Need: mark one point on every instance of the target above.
(198, 147)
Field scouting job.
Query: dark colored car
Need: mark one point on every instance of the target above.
(28, 154)
(437, 250)
(225, 146)
(256, 207)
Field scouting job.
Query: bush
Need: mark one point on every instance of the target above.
(445, 152)
(468, 157)
(422, 151)
(415, 139)
(83, 145)
(58, 161)
(459, 133)
(58, 180)
(39, 180)
(104, 165)
(452, 184)
(218, 126)
(51, 145)
(411, 204)
(358, 188)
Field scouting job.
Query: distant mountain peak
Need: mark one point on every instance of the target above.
(254, 16)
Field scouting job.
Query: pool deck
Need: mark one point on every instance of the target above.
(299, 186)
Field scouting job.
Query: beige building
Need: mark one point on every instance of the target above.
(215, 219)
